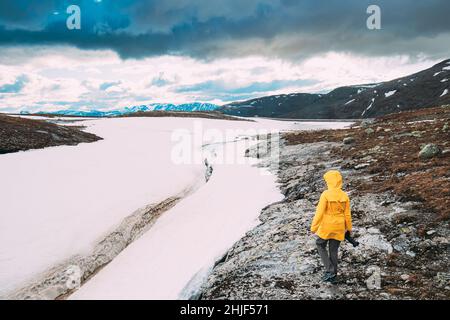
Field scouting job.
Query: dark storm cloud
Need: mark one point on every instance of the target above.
(208, 29)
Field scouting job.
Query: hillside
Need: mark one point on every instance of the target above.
(19, 134)
(424, 89)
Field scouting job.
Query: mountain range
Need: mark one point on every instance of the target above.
(195, 106)
(424, 89)
(427, 88)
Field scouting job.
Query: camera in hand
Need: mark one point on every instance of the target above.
(349, 238)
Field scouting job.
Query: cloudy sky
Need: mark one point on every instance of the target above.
(133, 52)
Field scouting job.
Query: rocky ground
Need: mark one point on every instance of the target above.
(19, 134)
(397, 173)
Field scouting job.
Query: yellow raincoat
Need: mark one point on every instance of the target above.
(333, 216)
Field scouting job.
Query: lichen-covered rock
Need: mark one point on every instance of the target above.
(348, 140)
(429, 151)
(369, 131)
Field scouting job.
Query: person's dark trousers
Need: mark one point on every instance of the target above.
(330, 258)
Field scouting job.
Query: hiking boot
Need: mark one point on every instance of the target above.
(326, 276)
(332, 279)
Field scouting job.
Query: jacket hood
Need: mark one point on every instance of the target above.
(333, 178)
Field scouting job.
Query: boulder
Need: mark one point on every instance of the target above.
(414, 134)
(348, 140)
(373, 241)
(374, 281)
(445, 127)
(405, 277)
(429, 151)
(443, 278)
(366, 122)
(373, 230)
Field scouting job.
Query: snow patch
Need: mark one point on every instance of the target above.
(437, 73)
(348, 102)
(186, 241)
(368, 85)
(390, 93)
(368, 108)
(77, 194)
(444, 93)
(444, 80)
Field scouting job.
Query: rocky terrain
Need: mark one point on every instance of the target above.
(424, 89)
(19, 134)
(397, 173)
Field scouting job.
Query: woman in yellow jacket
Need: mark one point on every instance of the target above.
(331, 221)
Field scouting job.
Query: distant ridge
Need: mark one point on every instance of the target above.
(424, 89)
(189, 107)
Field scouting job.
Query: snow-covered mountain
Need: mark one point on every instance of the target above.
(195, 106)
(427, 88)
